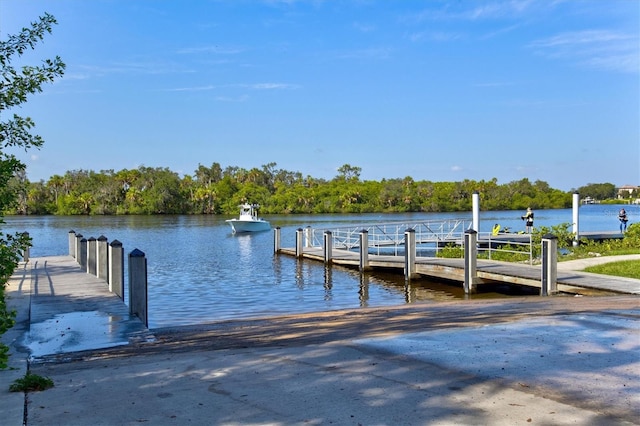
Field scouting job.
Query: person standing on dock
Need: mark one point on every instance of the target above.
(622, 217)
(528, 218)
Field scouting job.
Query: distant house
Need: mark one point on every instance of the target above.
(627, 191)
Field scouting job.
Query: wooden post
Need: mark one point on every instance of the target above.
(78, 248)
(277, 242)
(576, 219)
(299, 242)
(72, 243)
(83, 254)
(409, 254)
(328, 246)
(103, 259)
(92, 253)
(475, 201)
(470, 261)
(364, 250)
(116, 268)
(138, 285)
(549, 283)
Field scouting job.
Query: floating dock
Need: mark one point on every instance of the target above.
(347, 253)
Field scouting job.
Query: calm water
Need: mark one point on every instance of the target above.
(198, 271)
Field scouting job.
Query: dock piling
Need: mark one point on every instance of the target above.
(72, 243)
(116, 268)
(576, 219)
(138, 285)
(102, 262)
(91, 256)
(364, 250)
(549, 283)
(470, 261)
(409, 254)
(299, 242)
(78, 248)
(277, 240)
(327, 238)
(475, 206)
(82, 258)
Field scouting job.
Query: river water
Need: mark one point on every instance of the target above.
(198, 271)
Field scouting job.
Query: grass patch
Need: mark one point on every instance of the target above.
(625, 268)
(31, 383)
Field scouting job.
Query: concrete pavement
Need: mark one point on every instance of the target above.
(582, 264)
(556, 360)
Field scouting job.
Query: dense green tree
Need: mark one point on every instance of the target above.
(15, 132)
(213, 191)
(598, 191)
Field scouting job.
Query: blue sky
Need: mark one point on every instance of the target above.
(436, 90)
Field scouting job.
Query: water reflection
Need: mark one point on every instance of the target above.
(328, 285)
(363, 291)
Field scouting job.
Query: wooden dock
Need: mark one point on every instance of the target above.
(488, 271)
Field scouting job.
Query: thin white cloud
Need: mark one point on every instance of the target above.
(483, 11)
(255, 86)
(500, 9)
(602, 49)
(241, 98)
(271, 86)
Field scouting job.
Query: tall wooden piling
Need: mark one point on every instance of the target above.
(470, 261)
(102, 262)
(92, 254)
(277, 240)
(576, 218)
(549, 284)
(78, 248)
(410, 254)
(83, 254)
(72, 243)
(364, 250)
(299, 243)
(327, 239)
(138, 285)
(116, 268)
(475, 205)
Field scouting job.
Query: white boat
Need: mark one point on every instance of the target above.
(249, 220)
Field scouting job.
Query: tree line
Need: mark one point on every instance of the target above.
(218, 190)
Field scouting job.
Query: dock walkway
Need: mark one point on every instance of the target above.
(489, 271)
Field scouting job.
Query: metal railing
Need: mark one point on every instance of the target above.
(519, 244)
(389, 237)
(430, 237)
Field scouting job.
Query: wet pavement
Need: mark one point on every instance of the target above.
(71, 310)
(557, 360)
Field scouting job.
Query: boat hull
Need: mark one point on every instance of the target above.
(249, 225)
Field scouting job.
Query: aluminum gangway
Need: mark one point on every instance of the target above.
(392, 234)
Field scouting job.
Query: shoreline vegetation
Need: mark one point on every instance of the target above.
(214, 190)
